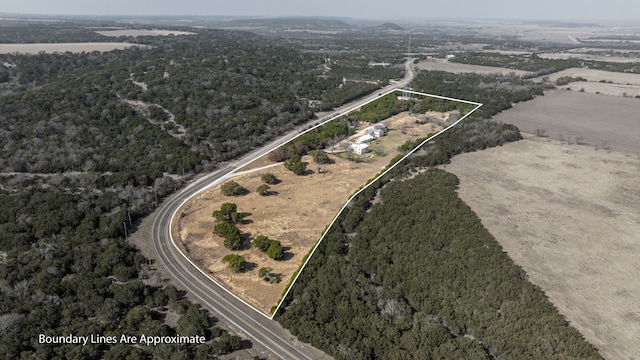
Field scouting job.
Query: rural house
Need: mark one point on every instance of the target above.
(360, 148)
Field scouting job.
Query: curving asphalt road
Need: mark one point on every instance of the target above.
(255, 326)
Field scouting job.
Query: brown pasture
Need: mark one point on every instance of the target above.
(568, 214)
(597, 120)
(296, 215)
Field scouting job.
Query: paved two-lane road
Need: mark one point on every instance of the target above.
(253, 325)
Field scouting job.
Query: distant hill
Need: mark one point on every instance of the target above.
(389, 26)
(293, 23)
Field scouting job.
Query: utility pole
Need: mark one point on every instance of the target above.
(406, 94)
(124, 224)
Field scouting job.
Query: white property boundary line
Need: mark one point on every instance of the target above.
(478, 105)
(271, 148)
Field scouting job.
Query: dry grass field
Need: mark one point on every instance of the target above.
(444, 65)
(569, 215)
(594, 118)
(142, 32)
(599, 82)
(64, 47)
(585, 56)
(296, 216)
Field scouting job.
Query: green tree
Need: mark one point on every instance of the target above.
(233, 242)
(264, 190)
(296, 165)
(232, 188)
(236, 262)
(269, 178)
(226, 229)
(319, 156)
(193, 322)
(157, 113)
(228, 212)
(275, 250)
(230, 233)
(262, 243)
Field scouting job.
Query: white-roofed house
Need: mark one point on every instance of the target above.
(360, 148)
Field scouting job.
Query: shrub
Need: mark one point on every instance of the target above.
(264, 190)
(275, 251)
(230, 233)
(296, 165)
(262, 243)
(236, 262)
(232, 188)
(229, 213)
(269, 178)
(319, 156)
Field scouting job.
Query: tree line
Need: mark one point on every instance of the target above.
(416, 275)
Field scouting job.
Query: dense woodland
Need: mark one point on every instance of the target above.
(390, 105)
(79, 167)
(417, 276)
(231, 90)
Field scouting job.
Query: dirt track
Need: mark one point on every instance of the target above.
(567, 214)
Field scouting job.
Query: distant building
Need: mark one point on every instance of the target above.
(360, 148)
(364, 139)
(376, 133)
(378, 130)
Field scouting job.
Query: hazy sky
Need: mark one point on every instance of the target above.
(379, 9)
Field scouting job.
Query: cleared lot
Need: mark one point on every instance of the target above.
(569, 215)
(296, 215)
(585, 56)
(444, 65)
(593, 118)
(599, 82)
(142, 32)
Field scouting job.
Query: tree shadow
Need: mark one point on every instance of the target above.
(287, 255)
(245, 238)
(244, 218)
(247, 344)
(329, 161)
(278, 276)
(249, 266)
